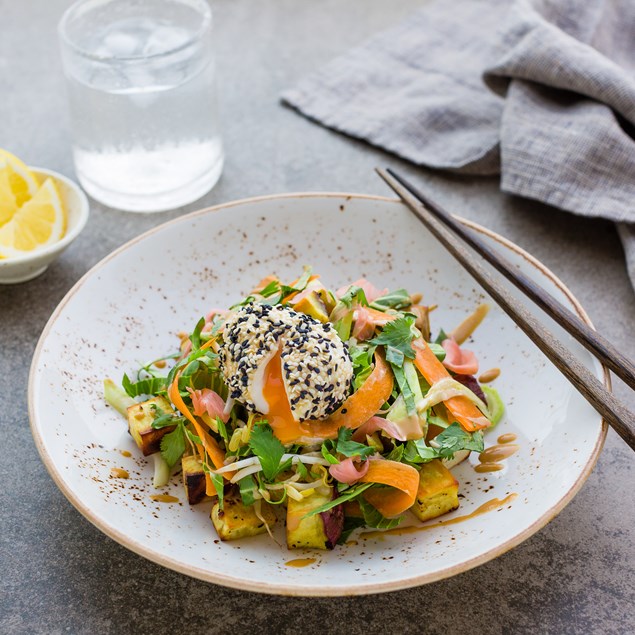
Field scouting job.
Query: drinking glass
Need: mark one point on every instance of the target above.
(141, 86)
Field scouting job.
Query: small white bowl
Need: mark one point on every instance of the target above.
(27, 267)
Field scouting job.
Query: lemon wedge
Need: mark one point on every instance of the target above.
(39, 222)
(8, 206)
(22, 181)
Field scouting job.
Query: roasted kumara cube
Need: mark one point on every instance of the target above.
(194, 479)
(320, 531)
(438, 491)
(140, 418)
(237, 521)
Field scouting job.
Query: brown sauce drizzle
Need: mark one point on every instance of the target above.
(497, 453)
(489, 375)
(489, 506)
(117, 472)
(488, 467)
(490, 459)
(300, 562)
(164, 498)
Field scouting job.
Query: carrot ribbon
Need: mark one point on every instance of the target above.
(209, 443)
(403, 481)
(461, 408)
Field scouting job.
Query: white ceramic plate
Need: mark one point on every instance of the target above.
(128, 308)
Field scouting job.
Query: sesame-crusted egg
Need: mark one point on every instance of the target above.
(315, 364)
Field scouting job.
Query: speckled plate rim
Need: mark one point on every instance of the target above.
(284, 589)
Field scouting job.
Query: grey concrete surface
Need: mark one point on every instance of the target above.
(61, 575)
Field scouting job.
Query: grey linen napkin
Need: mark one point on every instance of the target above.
(542, 91)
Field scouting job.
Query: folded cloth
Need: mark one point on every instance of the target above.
(542, 91)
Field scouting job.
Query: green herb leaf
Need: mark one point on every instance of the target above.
(349, 448)
(438, 350)
(452, 440)
(373, 518)
(300, 285)
(404, 387)
(247, 490)
(441, 336)
(398, 335)
(327, 452)
(302, 470)
(195, 338)
(222, 429)
(150, 386)
(268, 449)
(354, 295)
(219, 485)
(173, 445)
(270, 289)
(396, 454)
(398, 299)
(351, 492)
(193, 437)
(166, 419)
(394, 356)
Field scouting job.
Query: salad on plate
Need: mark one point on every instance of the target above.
(332, 410)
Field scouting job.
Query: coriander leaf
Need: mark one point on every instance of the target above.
(350, 493)
(268, 449)
(166, 419)
(173, 445)
(349, 448)
(418, 452)
(398, 335)
(398, 299)
(150, 386)
(373, 518)
(247, 489)
(454, 438)
(394, 356)
(219, 485)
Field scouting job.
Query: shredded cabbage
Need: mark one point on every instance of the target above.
(446, 389)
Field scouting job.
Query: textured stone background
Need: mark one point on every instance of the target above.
(61, 575)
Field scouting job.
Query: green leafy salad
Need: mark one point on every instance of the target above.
(333, 408)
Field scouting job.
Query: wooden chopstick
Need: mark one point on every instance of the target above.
(595, 343)
(613, 411)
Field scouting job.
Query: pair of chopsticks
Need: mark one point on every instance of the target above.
(446, 229)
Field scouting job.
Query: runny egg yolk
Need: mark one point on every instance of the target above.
(279, 416)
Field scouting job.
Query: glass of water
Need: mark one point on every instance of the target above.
(140, 77)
